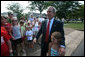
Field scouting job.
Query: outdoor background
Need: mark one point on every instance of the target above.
(71, 11)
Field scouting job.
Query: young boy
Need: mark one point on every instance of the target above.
(22, 30)
(29, 35)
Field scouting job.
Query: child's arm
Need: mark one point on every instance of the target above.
(61, 53)
(49, 50)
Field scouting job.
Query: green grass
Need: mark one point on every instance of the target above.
(77, 26)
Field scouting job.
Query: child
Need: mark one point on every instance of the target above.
(35, 28)
(29, 24)
(22, 29)
(29, 35)
(55, 44)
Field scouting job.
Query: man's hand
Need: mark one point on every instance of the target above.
(62, 51)
(34, 41)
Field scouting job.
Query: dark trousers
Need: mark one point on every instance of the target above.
(14, 45)
(44, 49)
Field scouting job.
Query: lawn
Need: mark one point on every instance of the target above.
(77, 26)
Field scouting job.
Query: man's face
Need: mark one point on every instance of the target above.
(11, 15)
(50, 13)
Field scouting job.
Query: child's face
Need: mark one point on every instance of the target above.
(28, 24)
(53, 39)
(21, 24)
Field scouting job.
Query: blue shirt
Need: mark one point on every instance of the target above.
(51, 22)
(31, 19)
(16, 32)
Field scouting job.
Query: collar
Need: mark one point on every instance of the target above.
(51, 19)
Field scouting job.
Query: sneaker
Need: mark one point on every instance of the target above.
(24, 54)
(23, 51)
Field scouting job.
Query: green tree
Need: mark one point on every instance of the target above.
(78, 13)
(81, 11)
(15, 8)
(37, 5)
(64, 8)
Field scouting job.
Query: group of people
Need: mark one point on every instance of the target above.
(15, 34)
(20, 32)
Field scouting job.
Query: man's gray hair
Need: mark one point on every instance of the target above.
(54, 9)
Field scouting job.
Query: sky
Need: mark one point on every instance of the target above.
(24, 4)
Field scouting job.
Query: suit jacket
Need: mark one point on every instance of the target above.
(56, 26)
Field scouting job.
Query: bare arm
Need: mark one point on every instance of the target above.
(12, 36)
(10, 46)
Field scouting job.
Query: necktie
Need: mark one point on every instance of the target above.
(47, 32)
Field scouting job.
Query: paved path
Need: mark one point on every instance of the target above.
(80, 50)
(72, 41)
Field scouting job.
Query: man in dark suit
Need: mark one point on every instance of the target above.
(47, 28)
